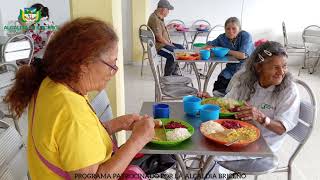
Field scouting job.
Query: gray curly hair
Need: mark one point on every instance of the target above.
(249, 77)
(233, 20)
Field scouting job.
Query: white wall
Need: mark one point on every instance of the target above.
(127, 30)
(59, 10)
(262, 18)
(9, 10)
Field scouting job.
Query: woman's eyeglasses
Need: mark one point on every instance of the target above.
(113, 67)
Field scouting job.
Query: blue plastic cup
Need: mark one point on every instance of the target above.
(191, 105)
(205, 54)
(161, 111)
(209, 112)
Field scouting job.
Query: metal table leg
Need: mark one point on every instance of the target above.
(196, 72)
(209, 73)
(182, 165)
(207, 163)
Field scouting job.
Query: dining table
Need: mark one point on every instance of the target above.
(194, 32)
(198, 144)
(213, 61)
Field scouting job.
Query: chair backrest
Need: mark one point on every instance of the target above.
(215, 32)
(7, 78)
(311, 35)
(145, 34)
(285, 37)
(7, 75)
(307, 117)
(154, 65)
(18, 47)
(101, 105)
(13, 161)
(201, 21)
(175, 21)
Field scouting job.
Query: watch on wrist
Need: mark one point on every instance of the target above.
(267, 121)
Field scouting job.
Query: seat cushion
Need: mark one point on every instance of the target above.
(175, 80)
(178, 91)
(251, 166)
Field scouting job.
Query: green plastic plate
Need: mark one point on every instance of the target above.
(161, 131)
(223, 115)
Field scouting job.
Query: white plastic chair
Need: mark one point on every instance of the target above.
(13, 161)
(301, 133)
(19, 47)
(311, 41)
(165, 92)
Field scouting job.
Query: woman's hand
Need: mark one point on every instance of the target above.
(143, 130)
(124, 122)
(127, 121)
(207, 47)
(203, 95)
(249, 112)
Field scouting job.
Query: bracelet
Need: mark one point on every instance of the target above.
(267, 121)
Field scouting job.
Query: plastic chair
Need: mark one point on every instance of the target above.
(165, 92)
(300, 133)
(13, 161)
(145, 34)
(19, 47)
(311, 41)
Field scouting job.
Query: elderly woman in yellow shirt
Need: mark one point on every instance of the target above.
(65, 136)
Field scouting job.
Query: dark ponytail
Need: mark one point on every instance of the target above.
(44, 10)
(27, 82)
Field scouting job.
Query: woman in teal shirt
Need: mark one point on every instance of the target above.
(241, 46)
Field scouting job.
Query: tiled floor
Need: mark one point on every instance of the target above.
(139, 89)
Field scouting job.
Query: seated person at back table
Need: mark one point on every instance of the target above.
(164, 45)
(272, 97)
(40, 31)
(241, 46)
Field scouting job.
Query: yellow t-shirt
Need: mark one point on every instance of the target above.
(66, 132)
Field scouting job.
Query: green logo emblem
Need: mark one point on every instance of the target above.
(265, 106)
(30, 15)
